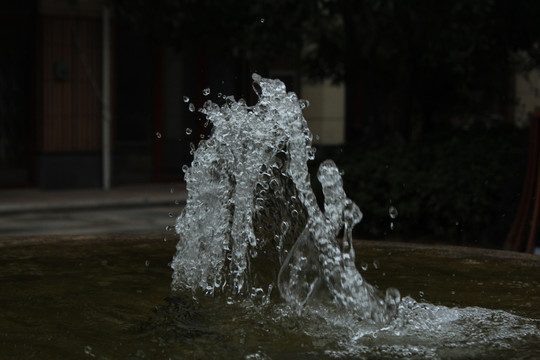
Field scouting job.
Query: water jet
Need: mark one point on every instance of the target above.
(260, 272)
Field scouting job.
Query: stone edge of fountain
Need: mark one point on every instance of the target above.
(30, 240)
(449, 251)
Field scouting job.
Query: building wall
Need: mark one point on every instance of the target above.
(68, 91)
(135, 111)
(17, 92)
(71, 84)
(326, 113)
(88, 8)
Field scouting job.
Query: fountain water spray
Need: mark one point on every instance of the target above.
(251, 219)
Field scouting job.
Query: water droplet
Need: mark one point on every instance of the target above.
(364, 266)
(171, 215)
(284, 227)
(317, 137)
(171, 191)
(158, 135)
(147, 263)
(274, 184)
(164, 239)
(311, 153)
(207, 105)
(421, 293)
(169, 228)
(376, 264)
(393, 297)
(185, 169)
(294, 213)
(260, 292)
(89, 351)
(186, 99)
(217, 281)
(191, 107)
(206, 92)
(262, 20)
(188, 131)
(392, 211)
(303, 103)
(392, 225)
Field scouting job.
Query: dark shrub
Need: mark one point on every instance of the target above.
(459, 186)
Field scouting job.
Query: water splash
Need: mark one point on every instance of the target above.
(252, 221)
(427, 331)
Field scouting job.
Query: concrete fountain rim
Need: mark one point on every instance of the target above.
(449, 251)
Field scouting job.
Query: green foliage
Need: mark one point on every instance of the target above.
(459, 186)
(418, 63)
(442, 39)
(406, 64)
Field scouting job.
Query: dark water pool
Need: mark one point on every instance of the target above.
(109, 298)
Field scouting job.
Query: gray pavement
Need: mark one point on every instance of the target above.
(147, 208)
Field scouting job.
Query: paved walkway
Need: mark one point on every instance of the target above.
(148, 208)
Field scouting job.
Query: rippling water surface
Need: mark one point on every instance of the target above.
(111, 300)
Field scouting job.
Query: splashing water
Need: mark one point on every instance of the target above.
(252, 221)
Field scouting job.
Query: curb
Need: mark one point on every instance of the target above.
(10, 208)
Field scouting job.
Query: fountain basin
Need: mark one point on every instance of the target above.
(103, 297)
